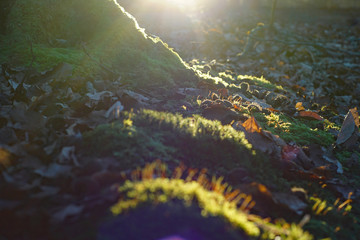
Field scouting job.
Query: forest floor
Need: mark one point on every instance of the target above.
(296, 102)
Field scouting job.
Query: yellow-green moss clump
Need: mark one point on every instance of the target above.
(213, 198)
(152, 135)
(302, 132)
(60, 30)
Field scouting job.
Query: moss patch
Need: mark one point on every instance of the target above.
(58, 31)
(260, 81)
(332, 219)
(300, 131)
(196, 141)
(214, 199)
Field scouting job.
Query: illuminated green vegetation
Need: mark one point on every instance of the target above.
(196, 141)
(131, 144)
(213, 198)
(158, 134)
(46, 57)
(296, 130)
(329, 218)
(260, 81)
(58, 31)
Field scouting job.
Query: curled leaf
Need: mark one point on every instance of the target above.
(114, 110)
(272, 110)
(310, 115)
(5, 157)
(251, 125)
(223, 92)
(299, 106)
(349, 127)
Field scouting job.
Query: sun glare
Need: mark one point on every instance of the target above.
(183, 3)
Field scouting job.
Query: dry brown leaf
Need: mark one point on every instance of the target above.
(5, 157)
(236, 107)
(310, 115)
(299, 88)
(355, 114)
(221, 113)
(223, 92)
(272, 110)
(260, 139)
(299, 106)
(251, 125)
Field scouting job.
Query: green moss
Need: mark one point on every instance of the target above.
(343, 156)
(226, 77)
(166, 219)
(152, 130)
(333, 219)
(196, 141)
(300, 131)
(19, 54)
(330, 125)
(196, 126)
(58, 30)
(213, 200)
(260, 81)
(320, 229)
(130, 144)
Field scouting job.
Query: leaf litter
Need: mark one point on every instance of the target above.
(39, 156)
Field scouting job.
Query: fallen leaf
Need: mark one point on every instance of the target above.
(275, 138)
(299, 106)
(237, 107)
(5, 158)
(272, 110)
(217, 111)
(114, 110)
(303, 174)
(310, 115)
(27, 119)
(261, 140)
(298, 87)
(251, 125)
(336, 163)
(97, 96)
(46, 191)
(223, 92)
(290, 201)
(53, 171)
(293, 153)
(321, 156)
(340, 188)
(67, 211)
(140, 98)
(68, 155)
(289, 153)
(349, 128)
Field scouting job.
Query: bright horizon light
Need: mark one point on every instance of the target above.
(183, 3)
